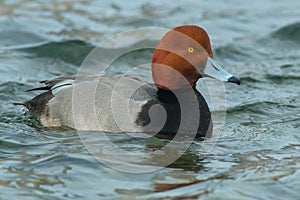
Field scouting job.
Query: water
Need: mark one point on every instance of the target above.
(257, 155)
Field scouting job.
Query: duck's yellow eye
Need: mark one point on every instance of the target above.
(191, 49)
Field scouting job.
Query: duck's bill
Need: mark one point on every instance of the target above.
(213, 70)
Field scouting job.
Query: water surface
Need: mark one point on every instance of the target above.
(257, 154)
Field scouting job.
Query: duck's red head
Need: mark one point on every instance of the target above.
(182, 57)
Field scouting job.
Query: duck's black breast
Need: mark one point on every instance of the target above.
(187, 114)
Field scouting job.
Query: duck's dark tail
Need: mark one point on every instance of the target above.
(38, 105)
(19, 104)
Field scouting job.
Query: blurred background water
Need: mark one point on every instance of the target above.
(257, 155)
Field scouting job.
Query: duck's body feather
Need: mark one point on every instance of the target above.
(115, 104)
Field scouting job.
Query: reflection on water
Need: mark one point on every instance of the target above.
(256, 157)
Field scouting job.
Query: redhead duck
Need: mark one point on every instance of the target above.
(116, 103)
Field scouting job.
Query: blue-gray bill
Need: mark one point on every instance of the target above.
(214, 70)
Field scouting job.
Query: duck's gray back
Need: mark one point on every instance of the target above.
(109, 104)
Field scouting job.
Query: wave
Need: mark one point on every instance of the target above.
(75, 52)
(71, 51)
(260, 108)
(12, 39)
(281, 78)
(233, 52)
(290, 32)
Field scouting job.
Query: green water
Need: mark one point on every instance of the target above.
(257, 154)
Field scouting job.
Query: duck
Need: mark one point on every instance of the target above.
(168, 106)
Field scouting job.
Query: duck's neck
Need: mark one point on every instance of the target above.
(167, 96)
(171, 96)
(175, 100)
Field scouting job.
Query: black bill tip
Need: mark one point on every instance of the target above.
(234, 79)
